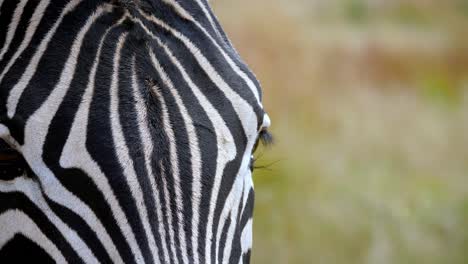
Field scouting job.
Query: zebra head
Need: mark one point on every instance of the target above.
(138, 120)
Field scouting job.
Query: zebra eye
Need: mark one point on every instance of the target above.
(265, 137)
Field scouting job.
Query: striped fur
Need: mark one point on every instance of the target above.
(138, 121)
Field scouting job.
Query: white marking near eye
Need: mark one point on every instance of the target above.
(266, 121)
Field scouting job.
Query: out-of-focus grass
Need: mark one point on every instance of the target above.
(369, 103)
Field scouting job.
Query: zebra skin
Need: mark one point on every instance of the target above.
(137, 122)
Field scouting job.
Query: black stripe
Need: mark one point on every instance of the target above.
(75, 222)
(246, 257)
(49, 68)
(14, 251)
(75, 180)
(99, 131)
(20, 32)
(6, 17)
(100, 142)
(243, 218)
(181, 142)
(19, 201)
(197, 13)
(210, 51)
(223, 238)
(128, 121)
(236, 247)
(207, 143)
(16, 124)
(159, 139)
(224, 107)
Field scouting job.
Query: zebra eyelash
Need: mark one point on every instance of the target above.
(265, 137)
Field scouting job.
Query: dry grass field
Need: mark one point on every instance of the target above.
(369, 102)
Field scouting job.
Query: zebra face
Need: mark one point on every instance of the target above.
(138, 120)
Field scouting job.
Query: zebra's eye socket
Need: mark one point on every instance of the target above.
(267, 139)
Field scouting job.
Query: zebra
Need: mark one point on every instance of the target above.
(137, 122)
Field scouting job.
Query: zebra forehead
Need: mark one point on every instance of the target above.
(187, 30)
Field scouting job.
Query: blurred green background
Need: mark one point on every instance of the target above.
(369, 102)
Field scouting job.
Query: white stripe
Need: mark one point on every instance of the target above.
(242, 108)
(75, 155)
(122, 151)
(34, 193)
(6, 136)
(225, 141)
(246, 237)
(15, 222)
(210, 18)
(178, 9)
(29, 72)
(57, 193)
(246, 174)
(34, 22)
(232, 204)
(174, 163)
(248, 185)
(231, 208)
(228, 59)
(243, 180)
(148, 148)
(195, 160)
(36, 130)
(12, 27)
(186, 14)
